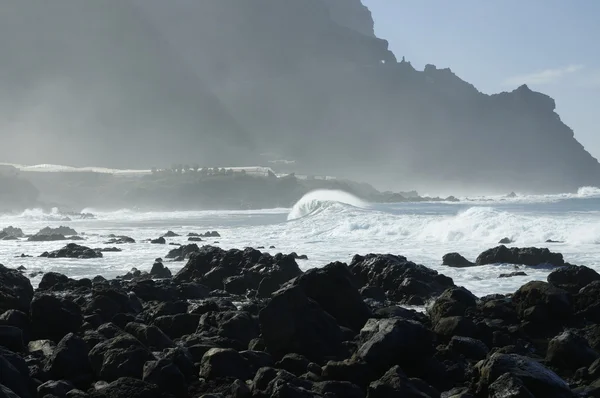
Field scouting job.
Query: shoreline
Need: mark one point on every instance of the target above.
(243, 323)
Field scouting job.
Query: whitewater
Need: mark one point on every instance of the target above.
(334, 226)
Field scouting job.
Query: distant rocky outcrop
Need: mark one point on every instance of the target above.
(305, 80)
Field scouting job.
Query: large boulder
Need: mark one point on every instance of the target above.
(16, 291)
(13, 377)
(334, 288)
(573, 278)
(452, 302)
(220, 363)
(52, 317)
(456, 260)
(402, 280)
(537, 379)
(178, 325)
(151, 336)
(73, 250)
(587, 302)
(120, 356)
(570, 351)
(236, 325)
(394, 383)
(167, 376)
(530, 256)
(182, 252)
(62, 230)
(395, 341)
(293, 323)
(541, 302)
(69, 360)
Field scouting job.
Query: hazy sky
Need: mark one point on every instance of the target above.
(552, 45)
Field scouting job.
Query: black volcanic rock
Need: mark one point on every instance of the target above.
(456, 260)
(62, 230)
(573, 278)
(403, 280)
(73, 250)
(16, 291)
(530, 256)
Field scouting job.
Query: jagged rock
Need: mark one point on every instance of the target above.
(178, 325)
(236, 325)
(167, 376)
(403, 281)
(338, 389)
(512, 274)
(373, 292)
(456, 260)
(334, 289)
(170, 234)
(52, 318)
(509, 386)
(455, 326)
(452, 302)
(469, 347)
(120, 356)
(541, 382)
(160, 271)
(46, 238)
(16, 291)
(396, 384)
(13, 231)
(6, 392)
(529, 256)
(55, 388)
(73, 250)
(127, 387)
(18, 319)
(119, 240)
(505, 241)
(151, 336)
(294, 363)
(359, 372)
(542, 302)
(183, 252)
(570, 351)
(62, 230)
(293, 323)
(159, 241)
(194, 239)
(224, 363)
(69, 360)
(573, 278)
(388, 342)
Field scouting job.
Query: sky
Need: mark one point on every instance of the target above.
(551, 45)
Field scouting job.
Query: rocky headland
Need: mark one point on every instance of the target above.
(244, 323)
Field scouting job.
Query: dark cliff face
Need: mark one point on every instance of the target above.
(150, 82)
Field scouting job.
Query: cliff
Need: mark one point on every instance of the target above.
(306, 80)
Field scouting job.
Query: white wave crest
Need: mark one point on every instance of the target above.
(316, 201)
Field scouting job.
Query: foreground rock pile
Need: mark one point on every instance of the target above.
(242, 323)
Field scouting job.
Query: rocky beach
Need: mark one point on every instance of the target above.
(245, 323)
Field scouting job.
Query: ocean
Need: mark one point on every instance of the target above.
(334, 226)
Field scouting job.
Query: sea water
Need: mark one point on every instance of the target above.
(334, 226)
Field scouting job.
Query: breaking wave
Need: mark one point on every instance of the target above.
(316, 201)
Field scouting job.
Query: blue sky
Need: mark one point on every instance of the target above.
(497, 45)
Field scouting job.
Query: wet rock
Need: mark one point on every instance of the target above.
(509, 385)
(73, 250)
(55, 388)
(505, 241)
(52, 318)
(18, 319)
(62, 230)
(357, 372)
(403, 280)
(176, 326)
(396, 384)
(224, 363)
(12, 231)
(587, 304)
(127, 387)
(46, 238)
(334, 289)
(14, 377)
(548, 299)
(183, 252)
(512, 274)
(11, 337)
(374, 293)
(69, 360)
(573, 278)
(151, 336)
(120, 356)
(119, 240)
(570, 351)
(158, 241)
(170, 234)
(160, 271)
(167, 376)
(293, 323)
(456, 260)
(452, 302)
(469, 347)
(529, 256)
(194, 239)
(338, 389)
(16, 291)
(294, 363)
(455, 326)
(388, 342)
(236, 325)
(108, 249)
(538, 380)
